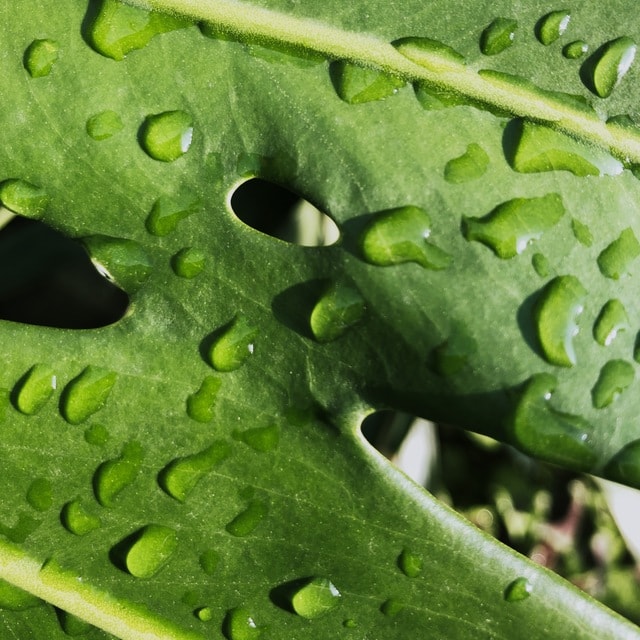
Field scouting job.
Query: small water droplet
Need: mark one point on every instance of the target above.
(541, 265)
(606, 67)
(518, 590)
(431, 54)
(205, 614)
(575, 49)
(263, 439)
(581, 232)
(452, 356)
(77, 520)
(624, 467)
(200, 405)
(104, 125)
(410, 563)
(181, 475)
(542, 431)
(40, 494)
(560, 303)
(146, 551)
(34, 389)
(615, 377)
(498, 36)
(512, 225)
(86, 394)
(435, 98)
(349, 623)
(96, 435)
(246, 521)
(233, 345)
(167, 136)
(167, 211)
(338, 310)
(357, 85)
(117, 29)
(40, 56)
(23, 198)
(611, 319)
(113, 476)
(551, 26)
(616, 259)
(188, 262)
(209, 561)
(471, 165)
(314, 598)
(391, 607)
(239, 625)
(16, 599)
(72, 625)
(399, 235)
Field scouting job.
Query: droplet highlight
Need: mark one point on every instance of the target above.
(233, 345)
(410, 563)
(249, 519)
(167, 136)
(200, 405)
(551, 26)
(315, 598)
(168, 211)
(262, 439)
(518, 590)
(34, 389)
(40, 56)
(603, 71)
(338, 310)
(610, 321)
(471, 165)
(147, 550)
(87, 394)
(615, 377)
(239, 625)
(356, 85)
(615, 261)
(113, 476)
(23, 198)
(188, 262)
(498, 36)
(40, 494)
(77, 519)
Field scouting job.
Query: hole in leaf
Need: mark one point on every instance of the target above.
(47, 279)
(280, 213)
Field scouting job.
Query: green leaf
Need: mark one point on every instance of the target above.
(197, 468)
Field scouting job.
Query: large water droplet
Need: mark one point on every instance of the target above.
(167, 136)
(431, 54)
(23, 198)
(239, 625)
(518, 590)
(181, 475)
(471, 165)
(86, 394)
(615, 260)
(16, 599)
(113, 476)
(542, 431)
(356, 85)
(575, 49)
(551, 26)
(116, 28)
(40, 494)
(498, 36)
(263, 439)
(246, 521)
(581, 232)
(315, 597)
(233, 345)
(144, 552)
(188, 262)
(200, 404)
(34, 389)
(167, 211)
(624, 467)
(391, 607)
(77, 520)
(337, 311)
(611, 319)
(615, 377)
(103, 125)
(399, 235)
(40, 56)
(560, 303)
(512, 225)
(603, 70)
(410, 563)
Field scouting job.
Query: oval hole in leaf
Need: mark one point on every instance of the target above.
(47, 279)
(282, 214)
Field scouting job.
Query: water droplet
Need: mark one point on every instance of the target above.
(337, 311)
(357, 85)
(542, 431)
(246, 521)
(615, 377)
(606, 67)
(103, 125)
(541, 265)
(181, 475)
(349, 623)
(391, 607)
(471, 165)
(399, 235)
(239, 625)
(431, 54)
(575, 49)
(16, 599)
(21, 530)
(188, 262)
(118, 28)
(97, 435)
(410, 563)
(34, 389)
(77, 520)
(615, 260)
(40, 494)
(434, 98)
(512, 225)
(86, 394)
(167, 211)
(209, 561)
(611, 319)
(200, 405)
(145, 551)
(113, 476)
(452, 356)
(23, 198)
(314, 598)
(120, 260)
(498, 36)
(561, 302)
(624, 467)
(167, 136)
(551, 26)
(72, 625)
(263, 439)
(233, 345)
(534, 148)
(581, 232)
(205, 614)
(518, 590)
(40, 56)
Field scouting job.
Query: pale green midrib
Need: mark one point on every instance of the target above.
(249, 21)
(122, 619)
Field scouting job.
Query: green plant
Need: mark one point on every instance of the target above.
(196, 469)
